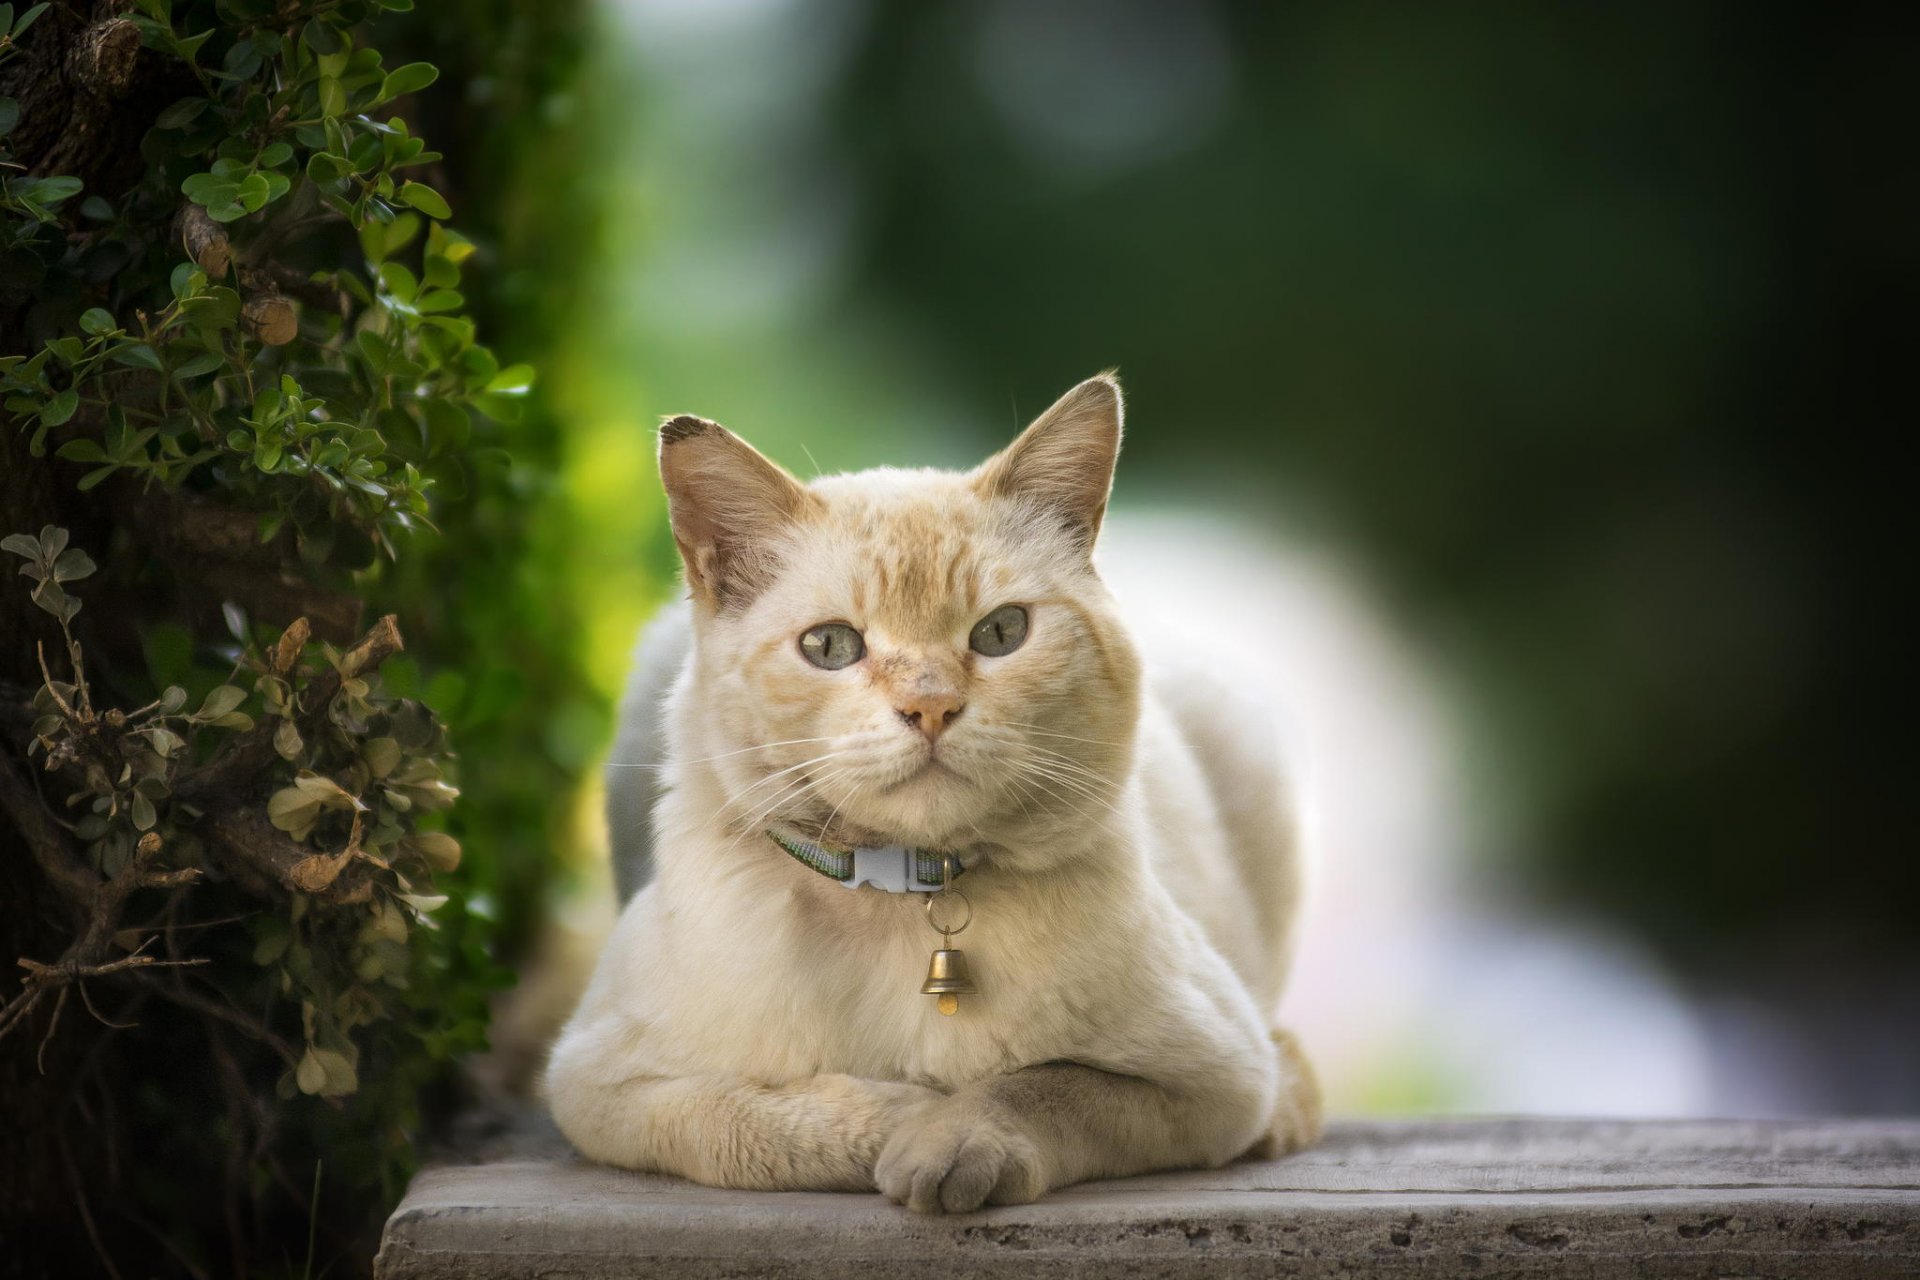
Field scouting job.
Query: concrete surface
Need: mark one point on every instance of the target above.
(1484, 1198)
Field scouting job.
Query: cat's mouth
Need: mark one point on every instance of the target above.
(932, 768)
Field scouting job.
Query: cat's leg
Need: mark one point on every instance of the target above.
(821, 1133)
(1009, 1139)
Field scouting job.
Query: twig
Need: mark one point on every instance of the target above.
(86, 956)
(40, 1058)
(190, 999)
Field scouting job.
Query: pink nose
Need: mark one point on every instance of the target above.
(931, 713)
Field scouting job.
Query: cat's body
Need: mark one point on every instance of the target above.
(1130, 854)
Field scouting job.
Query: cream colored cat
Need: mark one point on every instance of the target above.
(927, 659)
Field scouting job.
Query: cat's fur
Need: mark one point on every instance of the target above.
(1130, 848)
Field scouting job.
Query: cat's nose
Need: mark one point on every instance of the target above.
(931, 713)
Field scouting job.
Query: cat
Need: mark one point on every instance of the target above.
(927, 662)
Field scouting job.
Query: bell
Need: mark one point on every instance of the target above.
(947, 978)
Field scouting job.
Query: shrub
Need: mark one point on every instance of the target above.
(243, 391)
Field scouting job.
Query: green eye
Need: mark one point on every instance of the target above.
(1000, 632)
(832, 645)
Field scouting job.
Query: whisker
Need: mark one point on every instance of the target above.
(763, 746)
(1045, 787)
(1049, 733)
(780, 773)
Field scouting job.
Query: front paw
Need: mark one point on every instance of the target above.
(956, 1158)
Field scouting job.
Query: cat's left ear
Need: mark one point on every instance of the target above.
(1063, 462)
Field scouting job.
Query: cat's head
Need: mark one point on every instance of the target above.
(924, 657)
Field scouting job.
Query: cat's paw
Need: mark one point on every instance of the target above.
(1297, 1113)
(957, 1158)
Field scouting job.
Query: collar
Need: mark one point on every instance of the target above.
(892, 868)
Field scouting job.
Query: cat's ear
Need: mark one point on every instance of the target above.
(727, 504)
(1063, 462)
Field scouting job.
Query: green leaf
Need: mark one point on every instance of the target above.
(221, 700)
(50, 597)
(73, 565)
(254, 191)
(60, 408)
(399, 281)
(21, 544)
(181, 113)
(341, 1079)
(27, 18)
(274, 155)
(322, 38)
(82, 450)
(333, 98)
(382, 756)
(514, 380)
(139, 356)
(207, 188)
(205, 363)
(97, 320)
(9, 116)
(291, 809)
(425, 199)
(190, 45)
(311, 1075)
(143, 815)
(408, 79)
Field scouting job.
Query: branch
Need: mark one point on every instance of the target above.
(188, 999)
(261, 855)
(252, 753)
(52, 852)
(87, 956)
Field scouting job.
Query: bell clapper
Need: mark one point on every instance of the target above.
(947, 972)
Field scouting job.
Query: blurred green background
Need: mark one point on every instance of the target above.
(1569, 332)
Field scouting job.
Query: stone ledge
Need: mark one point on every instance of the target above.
(1466, 1197)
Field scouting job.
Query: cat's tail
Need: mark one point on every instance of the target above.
(634, 769)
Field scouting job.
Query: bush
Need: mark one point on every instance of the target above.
(245, 397)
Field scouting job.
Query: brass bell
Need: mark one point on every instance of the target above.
(947, 978)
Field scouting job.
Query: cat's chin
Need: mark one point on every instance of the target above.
(928, 808)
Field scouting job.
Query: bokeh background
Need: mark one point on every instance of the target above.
(1510, 388)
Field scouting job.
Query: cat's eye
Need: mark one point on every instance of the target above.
(832, 645)
(1000, 632)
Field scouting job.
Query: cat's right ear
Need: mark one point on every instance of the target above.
(727, 503)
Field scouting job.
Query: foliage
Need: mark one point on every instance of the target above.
(320, 416)
(358, 771)
(270, 323)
